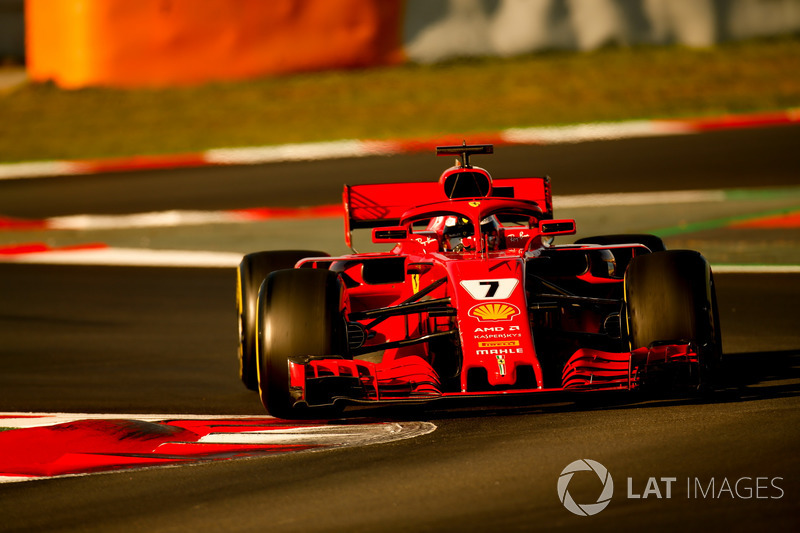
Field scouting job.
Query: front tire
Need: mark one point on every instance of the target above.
(670, 298)
(298, 315)
(250, 274)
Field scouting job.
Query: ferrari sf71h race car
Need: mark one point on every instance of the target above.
(472, 299)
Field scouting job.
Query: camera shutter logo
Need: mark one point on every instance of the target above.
(587, 509)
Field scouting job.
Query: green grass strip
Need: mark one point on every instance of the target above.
(762, 194)
(469, 97)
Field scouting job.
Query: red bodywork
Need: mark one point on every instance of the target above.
(508, 312)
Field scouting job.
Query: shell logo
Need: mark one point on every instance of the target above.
(491, 312)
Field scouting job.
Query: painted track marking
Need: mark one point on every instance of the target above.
(353, 148)
(46, 445)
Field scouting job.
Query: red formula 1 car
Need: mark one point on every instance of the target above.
(472, 299)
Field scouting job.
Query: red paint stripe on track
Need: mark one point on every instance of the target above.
(105, 443)
(7, 223)
(754, 120)
(82, 446)
(266, 213)
(127, 164)
(85, 446)
(787, 221)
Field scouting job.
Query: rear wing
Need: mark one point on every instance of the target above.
(383, 204)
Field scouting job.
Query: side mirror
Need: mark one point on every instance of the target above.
(389, 235)
(557, 227)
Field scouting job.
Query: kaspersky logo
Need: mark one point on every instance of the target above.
(592, 468)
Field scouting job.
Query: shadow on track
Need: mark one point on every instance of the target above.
(761, 375)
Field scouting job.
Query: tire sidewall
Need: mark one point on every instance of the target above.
(670, 297)
(250, 275)
(299, 315)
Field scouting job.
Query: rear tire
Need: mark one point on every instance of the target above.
(298, 315)
(670, 297)
(250, 274)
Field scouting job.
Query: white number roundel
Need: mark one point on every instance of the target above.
(490, 289)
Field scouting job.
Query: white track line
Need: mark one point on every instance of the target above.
(176, 217)
(602, 131)
(39, 169)
(152, 219)
(38, 419)
(298, 152)
(344, 435)
(756, 269)
(638, 198)
(139, 257)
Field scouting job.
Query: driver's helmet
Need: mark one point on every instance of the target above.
(490, 231)
(603, 263)
(456, 230)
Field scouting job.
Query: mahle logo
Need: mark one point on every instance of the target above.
(586, 509)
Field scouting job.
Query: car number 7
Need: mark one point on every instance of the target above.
(493, 286)
(490, 289)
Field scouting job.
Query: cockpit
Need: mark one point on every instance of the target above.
(463, 232)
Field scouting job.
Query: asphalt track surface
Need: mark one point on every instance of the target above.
(162, 340)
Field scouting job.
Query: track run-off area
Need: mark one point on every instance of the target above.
(117, 297)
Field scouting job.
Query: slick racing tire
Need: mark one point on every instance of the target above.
(654, 243)
(670, 297)
(298, 316)
(250, 274)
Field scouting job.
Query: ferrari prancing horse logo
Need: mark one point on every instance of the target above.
(501, 364)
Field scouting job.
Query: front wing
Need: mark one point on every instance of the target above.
(325, 381)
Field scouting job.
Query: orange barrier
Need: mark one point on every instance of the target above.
(147, 43)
